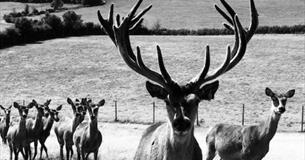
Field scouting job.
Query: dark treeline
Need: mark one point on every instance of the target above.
(51, 26)
(87, 2)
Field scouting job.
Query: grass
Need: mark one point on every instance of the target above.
(191, 14)
(120, 142)
(76, 67)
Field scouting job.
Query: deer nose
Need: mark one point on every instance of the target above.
(182, 124)
(282, 109)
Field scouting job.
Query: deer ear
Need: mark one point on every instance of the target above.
(47, 102)
(290, 93)
(269, 92)
(156, 90)
(2, 107)
(16, 105)
(101, 103)
(72, 104)
(208, 91)
(59, 108)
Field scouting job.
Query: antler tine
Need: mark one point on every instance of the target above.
(120, 36)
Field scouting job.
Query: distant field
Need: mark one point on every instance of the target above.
(194, 14)
(75, 67)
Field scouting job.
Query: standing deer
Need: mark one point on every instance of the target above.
(5, 123)
(87, 137)
(52, 115)
(234, 142)
(174, 140)
(35, 127)
(17, 136)
(64, 129)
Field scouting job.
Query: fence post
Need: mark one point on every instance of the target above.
(115, 111)
(23, 102)
(154, 110)
(302, 119)
(198, 118)
(243, 115)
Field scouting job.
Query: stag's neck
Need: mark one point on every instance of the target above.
(270, 126)
(182, 148)
(49, 124)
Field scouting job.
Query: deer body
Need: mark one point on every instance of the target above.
(34, 127)
(163, 147)
(5, 123)
(64, 130)
(17, 135)
(234, 142)
(47, 126)
(87, 137)
(175, 138)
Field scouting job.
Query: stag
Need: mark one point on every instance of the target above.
(87, 137)
(5, 123)
(174, 139)
(17, 136)
(234, 142)
(64, 129)
(51, 116)
(34, 127)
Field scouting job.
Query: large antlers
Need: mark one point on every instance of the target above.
(242, 37)
(119, 34)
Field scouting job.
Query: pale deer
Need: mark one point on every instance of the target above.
(35, 127)
(87, 137)
(234, 142)
(5, 123)
(48, 121)
(64, 129)
(174, 140)
(17, 134)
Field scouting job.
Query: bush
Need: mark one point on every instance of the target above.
(72, 23)
(54, 22)
(92, 2)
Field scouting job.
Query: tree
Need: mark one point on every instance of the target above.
(56, 4)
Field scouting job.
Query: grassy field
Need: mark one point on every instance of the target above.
(120, 142)
(78, 66)
(191, 14)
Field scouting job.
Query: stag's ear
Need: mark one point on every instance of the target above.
(269, 92)
(290, 93)
(156, 91)
(208, 91)
(101, 103)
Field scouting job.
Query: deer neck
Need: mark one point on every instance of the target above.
(49, 124)
(181, 148)
(93, 127)
(38, 121)
(22, 125)
(7, 121)
(75, 123)
(270, 126)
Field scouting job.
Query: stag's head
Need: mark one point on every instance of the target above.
(279, 100)
(24, 110)
(181, 100)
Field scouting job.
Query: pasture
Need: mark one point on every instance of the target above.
(190, 14)
(78, 66)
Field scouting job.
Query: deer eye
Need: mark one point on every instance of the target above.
(275, 101)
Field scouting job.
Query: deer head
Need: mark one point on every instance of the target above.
(79, 109)
(7, 111)
(279, 100)
(53, 113)
(93, 109)
(181, 99)
(24, 110)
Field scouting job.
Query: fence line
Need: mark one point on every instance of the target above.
(302, 119)
(243, 115)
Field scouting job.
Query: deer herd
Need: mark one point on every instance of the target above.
(171, 140)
